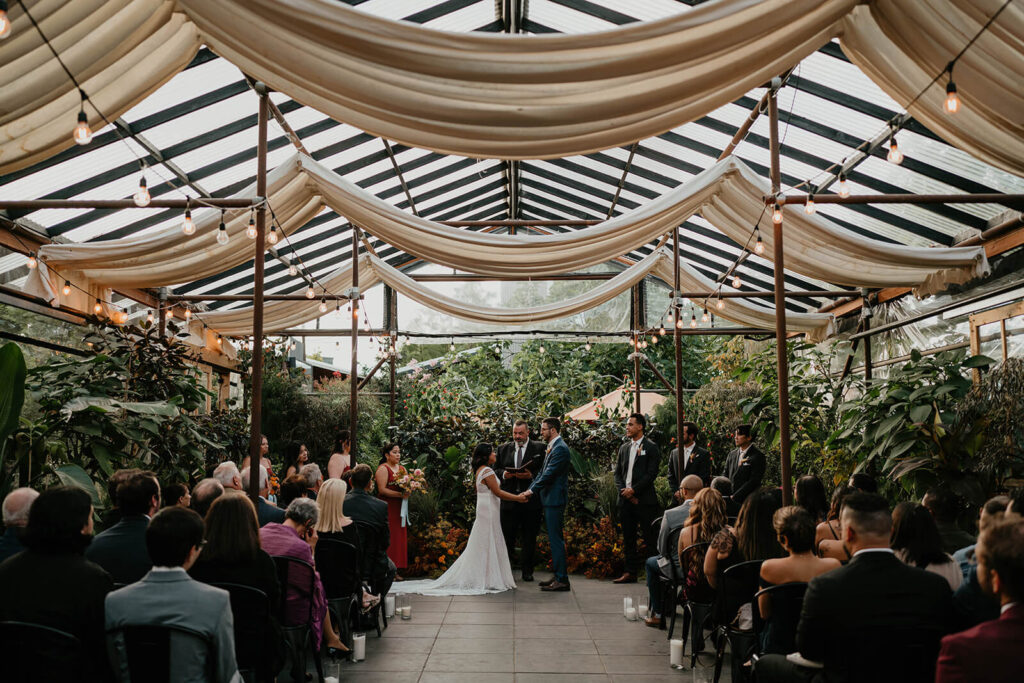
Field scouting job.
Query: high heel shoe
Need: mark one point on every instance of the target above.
(338, 653)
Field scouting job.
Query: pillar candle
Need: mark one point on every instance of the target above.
(631, 613)
(642, 611)
(627, 603)
(389, 606)
(676, 653)
(359, 647)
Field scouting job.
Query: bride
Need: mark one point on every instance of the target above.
(483, 566)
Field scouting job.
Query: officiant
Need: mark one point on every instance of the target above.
(519, 461)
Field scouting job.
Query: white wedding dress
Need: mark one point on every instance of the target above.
(483, 567)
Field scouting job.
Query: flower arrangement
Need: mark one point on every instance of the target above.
(434, 548)
(412, 482)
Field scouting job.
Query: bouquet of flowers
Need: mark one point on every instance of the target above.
(412, 482)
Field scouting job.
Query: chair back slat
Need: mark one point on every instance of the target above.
(298, 580)
(369, 541)
(250, 608)
(777, 634)
(736, 587)
(24, 646)
(691, 566)
(338, 564)
(148, 649)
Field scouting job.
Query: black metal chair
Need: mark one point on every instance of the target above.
(736, 587)
(254, 637)
(370, 542)
(786, 600)
(339, 566)
(148, 650)
(671, 584)
(30, 652)
(699, 604)
(298, 577)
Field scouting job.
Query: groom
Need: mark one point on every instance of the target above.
(553, 485)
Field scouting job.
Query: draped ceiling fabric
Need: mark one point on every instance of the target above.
(510, 97)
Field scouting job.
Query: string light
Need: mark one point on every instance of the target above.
(587, 346)
(679, 319)
(220, 340)
(777, 214)
(250, 231)
(654, 339)
(542, 349)
(97, 307)
(809, 204)
(323, 305)
(309, 292)
(5, 21)
(844, 187)
(222, 231)
(895, 155)
(693, 321)
(661, 331)
(188, 314)
(141, 196)
(149, 317)
(170, 314)
(758, 245)
(32, 263)
(736, 282)
(67, 287)
(952, 98)
(187, 225)
(83, 133)
(704, 318)
(451, 347)
(292, 270)
(720, 304)
(272, 237)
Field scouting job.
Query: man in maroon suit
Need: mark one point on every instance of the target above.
(991, 650)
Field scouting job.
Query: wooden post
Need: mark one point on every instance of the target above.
(353, 412)
(256, 421)
(867, 353)
(636, 349)
(677, 340)
(392, 327)
(782, 357)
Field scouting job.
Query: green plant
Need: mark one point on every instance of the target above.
(998, 402)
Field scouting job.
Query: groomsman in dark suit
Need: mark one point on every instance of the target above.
(693, 460)
(744, 467)
(526, 456)
(638, 462)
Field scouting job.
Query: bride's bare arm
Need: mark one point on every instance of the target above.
(491, 482)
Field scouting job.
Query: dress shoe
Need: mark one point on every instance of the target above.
(653, 622)
(626, 578)
(528, 577)
(547, 583)
(556, 587)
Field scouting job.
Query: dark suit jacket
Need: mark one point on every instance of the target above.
(645, 470)
(121, 550)
(746, 476)
(990, 651)
(362, 507)
(872, 615)
(553, 481)
(533, 458)
(699, 464)
(267, 513)
(10, 543)
(63, 591)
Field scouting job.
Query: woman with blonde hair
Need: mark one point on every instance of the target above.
(333, 524)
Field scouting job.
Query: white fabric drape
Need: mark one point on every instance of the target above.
(510, 97)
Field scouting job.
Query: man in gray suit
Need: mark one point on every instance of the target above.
(672, 523)
(167, 596)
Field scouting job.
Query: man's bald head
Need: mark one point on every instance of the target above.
(690, 485)
(17, 504)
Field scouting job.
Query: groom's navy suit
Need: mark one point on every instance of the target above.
(553, 486)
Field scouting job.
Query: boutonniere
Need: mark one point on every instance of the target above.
(639, 452)
(743, 461)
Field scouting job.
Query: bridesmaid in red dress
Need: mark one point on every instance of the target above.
(391, 469)
(341, 456)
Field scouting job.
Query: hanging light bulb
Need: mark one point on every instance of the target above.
(170, 314)
(720, 304)
(291, 347)
(736, 282)
(272, 237)
(366, 325)
(188, 314)
(693, 322)
(67, 287)
(758, 245)
(323, 305)
(222, 231)
(451, 347)
(587, 346)
(292, 270)
(187, 225)
(661, 330)
(32, 263)
(149, 317)
(777, 214)
(83, 133)
(250, 231)
(809, 204)
(220, 340)
(952, 105)
(704, 318)
(844, 187)
(541, 349)
(141, 196)
(355, 310)
(895, 155)
(654, 339)
(97, 307)
(5, 21)
(679, 319)
(310, 294)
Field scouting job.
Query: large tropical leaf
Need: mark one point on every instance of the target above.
(73, 475)
(12, 388)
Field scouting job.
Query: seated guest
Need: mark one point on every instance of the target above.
(860, 621)
(51, 584)
(1016, 505)
(943, 504)
(794, 527)
(990, 652)
(296, 537)
(365, 508)
(658, 565)
(863, 482)
(311, 473)
(204, 493)
(177, 494)
(333, 523)
(121, 549)
(112, 515)
(266, 512)
(706, 519)
(827, 536)
(992, 511)
(722, 485)
(971, 604)
(228, 475)
(291, 488)
(168, 596)
(809, 493)
(753, 539)
(16, 507)
(915, 539)
(232, 554)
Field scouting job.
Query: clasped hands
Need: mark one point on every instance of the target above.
(629, 494)
(524, 496)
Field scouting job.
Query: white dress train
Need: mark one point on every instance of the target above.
(483, 567)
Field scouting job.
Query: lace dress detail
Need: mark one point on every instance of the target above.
(483, 566)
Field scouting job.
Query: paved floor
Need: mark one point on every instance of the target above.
(522, 636)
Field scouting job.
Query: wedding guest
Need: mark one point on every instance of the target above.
(291, 488)
(520, 520)
(794, 528)
(265, 512)
(341, 456)
(944, 505)
(296, 456)
(112, 515)
(176, 494)
(915, 539)
(862, 481)
(52, 584)
(333, 523)
(706, 519)
(637, 467)
(694, 460)
(809, 493)
(744, 467)
(390, 470)
(827, 536)
(121, 549)
(314, 478)
(754, 537)
(970, 601)
(673, 520)
(991, 512)
(204, 493)
(362, 507)
(722, 485)
(991, 650)
(16, 508)
(228, 475)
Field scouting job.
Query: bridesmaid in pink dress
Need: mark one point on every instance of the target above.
(391, 469)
